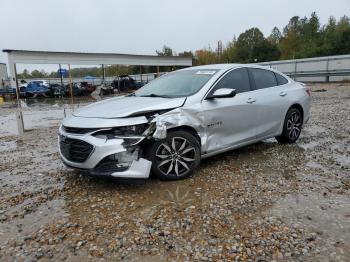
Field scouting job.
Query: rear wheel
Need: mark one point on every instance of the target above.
(291, 127)
(175, 157)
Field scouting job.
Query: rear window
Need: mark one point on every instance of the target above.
(281, 80)
(263, 78)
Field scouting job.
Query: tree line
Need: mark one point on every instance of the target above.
(301, 38)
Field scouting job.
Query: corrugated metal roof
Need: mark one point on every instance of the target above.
(85, 53)
(55, 57)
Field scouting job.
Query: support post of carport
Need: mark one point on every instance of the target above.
(19, 115)
(14, 82)
(71, 87)
(141, 74)
(103, 74)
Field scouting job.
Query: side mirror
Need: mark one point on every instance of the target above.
(222, 93)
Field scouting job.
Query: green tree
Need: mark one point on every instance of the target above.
(230, 52)
(343, 31)
(252, 46)
(186, 54)
(166, 51)
(330, 37)
(26, 74)
(39, 74)
(290, 43)
(275, 36)
(205, 56)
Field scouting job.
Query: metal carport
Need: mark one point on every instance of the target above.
(76, 58)
(71, 58)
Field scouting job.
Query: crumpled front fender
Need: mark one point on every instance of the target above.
(177, 118)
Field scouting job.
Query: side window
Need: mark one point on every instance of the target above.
(263, 78)
(281, 80)
(236, 79)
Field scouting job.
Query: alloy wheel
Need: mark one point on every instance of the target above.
(294, 123)
(175, 157)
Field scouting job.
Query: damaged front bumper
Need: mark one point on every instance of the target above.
(98, 156)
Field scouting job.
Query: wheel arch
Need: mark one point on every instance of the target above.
(294, 105)
(299, 107)
(189, 129)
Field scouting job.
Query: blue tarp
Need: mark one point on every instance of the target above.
(89, 78)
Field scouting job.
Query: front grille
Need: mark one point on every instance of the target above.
(75, 150)
(77, 130)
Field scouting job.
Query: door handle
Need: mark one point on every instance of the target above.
(283, 93)
(251, 100)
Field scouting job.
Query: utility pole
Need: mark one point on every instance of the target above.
(71, 86)
(61, 74)
(219, 50)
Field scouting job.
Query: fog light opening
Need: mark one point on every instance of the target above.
(118, 162)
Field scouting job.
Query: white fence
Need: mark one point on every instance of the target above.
(319, 69)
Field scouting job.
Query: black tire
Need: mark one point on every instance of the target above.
(169, 163)
(292, 127)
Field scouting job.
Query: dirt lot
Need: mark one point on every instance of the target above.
(262, 202)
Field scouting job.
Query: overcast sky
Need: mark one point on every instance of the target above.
(140, 26)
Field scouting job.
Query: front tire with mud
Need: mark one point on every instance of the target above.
(175, 157)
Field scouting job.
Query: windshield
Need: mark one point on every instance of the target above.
(177, 84)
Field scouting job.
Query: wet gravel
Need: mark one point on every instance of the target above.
(260, 203)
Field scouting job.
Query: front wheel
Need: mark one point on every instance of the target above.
(291, 127)
(175, 157)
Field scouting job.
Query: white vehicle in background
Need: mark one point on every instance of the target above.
(24, 83)
(173, 122)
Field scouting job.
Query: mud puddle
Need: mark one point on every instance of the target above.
(326, 214)
(22, 226)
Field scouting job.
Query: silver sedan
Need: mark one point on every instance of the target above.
(169, 125)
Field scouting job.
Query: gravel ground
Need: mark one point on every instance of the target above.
(263, 202)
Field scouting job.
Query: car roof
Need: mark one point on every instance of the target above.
(226, 66)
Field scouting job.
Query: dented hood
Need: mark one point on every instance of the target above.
(127, 106)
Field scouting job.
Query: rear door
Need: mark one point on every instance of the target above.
(229, 121)
(270, 102)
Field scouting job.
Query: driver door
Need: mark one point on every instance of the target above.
(230, 121)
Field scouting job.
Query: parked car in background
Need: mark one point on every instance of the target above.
(35, 88)
(7, 91)
(103, 90)
(77, 90)
(87, 87)
(23, 83)
(125, 83)
(57, 90)
(176, 120)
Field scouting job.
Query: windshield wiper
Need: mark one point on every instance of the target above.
(154, 95)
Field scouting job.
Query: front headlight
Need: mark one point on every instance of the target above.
(123, 132)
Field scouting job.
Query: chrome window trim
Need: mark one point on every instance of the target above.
(222, 76)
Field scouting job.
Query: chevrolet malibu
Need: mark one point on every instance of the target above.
(169, 125)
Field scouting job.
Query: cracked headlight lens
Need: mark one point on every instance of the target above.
(122, 132)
